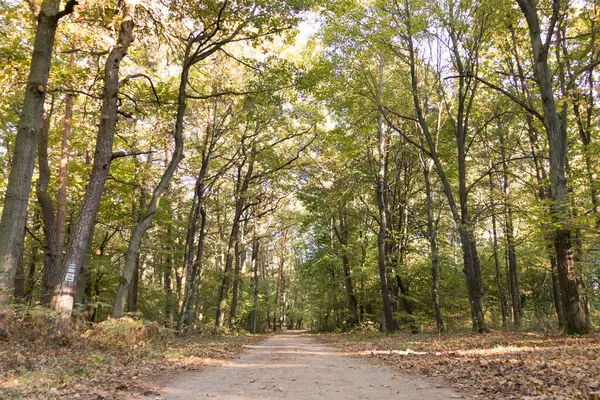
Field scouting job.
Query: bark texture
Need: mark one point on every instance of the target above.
(84, 224)
(52, 254)
(14, 212)
(557, 141)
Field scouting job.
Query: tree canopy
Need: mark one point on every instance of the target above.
(262, 165)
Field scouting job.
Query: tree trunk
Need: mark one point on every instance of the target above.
(14, 211)
(513, 276)
(132, 298)
(471, 264)
(83, 227)
(499, 280)
(192, 266)
(31, 279)
(168, 288)
(61, 199)
(240, 255)
(543, 192)
(262, 264)
(197, 267)
(432, 234)
(240, 202)
(390, 323)
(557, 140)
(255, 250)
(280, 286)
(146, 221)
(51, 274)
(558, 307)
(19, 289)
(342, 235)
(471, 261)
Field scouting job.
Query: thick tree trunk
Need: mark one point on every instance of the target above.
(352, 302)
(543, 195)
(557, 140)
(558, 306)
(14, 212)
(83, 227)
(19, 289)
(84, 272)
(132, 298)
(541, 177)
(31, 270)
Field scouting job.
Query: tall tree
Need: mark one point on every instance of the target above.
(557, 143)
(14, 212)
(381, 188)
(103, 156)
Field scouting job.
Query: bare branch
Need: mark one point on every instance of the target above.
(527, 108)
(121, 154)
(139, 75)
(69, 7)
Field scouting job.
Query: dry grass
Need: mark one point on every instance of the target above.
(112, 361)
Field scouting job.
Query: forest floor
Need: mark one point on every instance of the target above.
(296, 366)
(128, 360)
(496, 365)
(111, 361)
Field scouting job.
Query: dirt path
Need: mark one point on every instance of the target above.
(292, 366)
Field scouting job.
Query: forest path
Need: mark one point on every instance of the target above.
(293, 366)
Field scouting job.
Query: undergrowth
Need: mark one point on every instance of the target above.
(108, 360)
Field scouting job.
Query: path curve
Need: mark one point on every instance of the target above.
(293, 366)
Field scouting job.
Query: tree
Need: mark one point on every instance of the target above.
(14, 212)
(557, 143)
(83, 227)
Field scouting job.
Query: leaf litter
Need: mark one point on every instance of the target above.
(93, 365)
(496, 365)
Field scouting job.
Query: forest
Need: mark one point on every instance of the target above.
(223, 167)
